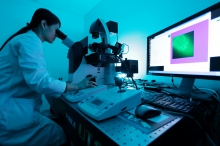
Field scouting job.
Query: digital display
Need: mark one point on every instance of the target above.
(183, 45)
(97, 102)
(187, 48)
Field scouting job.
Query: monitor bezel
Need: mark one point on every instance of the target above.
(206, 10)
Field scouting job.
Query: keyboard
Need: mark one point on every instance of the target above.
(167, 102)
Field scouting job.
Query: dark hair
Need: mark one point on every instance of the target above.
(39, 15)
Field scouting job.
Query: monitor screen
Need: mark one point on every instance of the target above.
(189, 48)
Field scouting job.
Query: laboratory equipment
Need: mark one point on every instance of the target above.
(132, 66)
(119, 82)
(98, 63)
(79, 69)
(102, 52)
(109, 103)
(187, 49)
(79, 95)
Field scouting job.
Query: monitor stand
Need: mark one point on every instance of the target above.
(186, 87)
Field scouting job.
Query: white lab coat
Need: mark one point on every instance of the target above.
(23, 80)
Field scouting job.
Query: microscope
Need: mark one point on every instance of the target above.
(101, 61)
(98, 103)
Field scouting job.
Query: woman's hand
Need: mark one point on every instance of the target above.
(85, 83)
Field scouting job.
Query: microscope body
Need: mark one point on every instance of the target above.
(99, 63)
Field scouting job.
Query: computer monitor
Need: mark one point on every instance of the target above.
(189, 49)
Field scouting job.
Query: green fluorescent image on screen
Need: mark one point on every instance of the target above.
(183, 45)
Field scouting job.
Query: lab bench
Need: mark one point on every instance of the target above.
(118, 130)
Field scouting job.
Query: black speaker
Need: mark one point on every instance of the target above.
(214, 63)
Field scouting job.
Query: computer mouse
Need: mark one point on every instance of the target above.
(145, 112)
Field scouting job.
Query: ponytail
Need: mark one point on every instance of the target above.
(39, 15)
(21, 31)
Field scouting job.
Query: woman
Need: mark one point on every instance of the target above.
(23, 80)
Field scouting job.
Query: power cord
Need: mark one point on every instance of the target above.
(198, 89)
(204, 119)
(206, 134)
(173, 83)
(195, 106)
(212, 91)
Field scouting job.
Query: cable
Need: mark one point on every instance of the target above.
(206, 134)
(212, 91)
(173, 83)
(198, 89)
(203, 119)
(128, 48)
(194, 105)
(128, 71)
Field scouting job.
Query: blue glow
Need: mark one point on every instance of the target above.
(121, 75)
(139, 19)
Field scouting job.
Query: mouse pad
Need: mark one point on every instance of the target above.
(145, 125)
